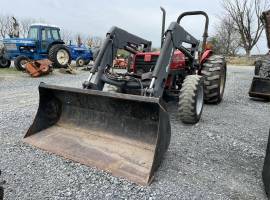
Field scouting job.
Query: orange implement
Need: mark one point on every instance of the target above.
(38, 68)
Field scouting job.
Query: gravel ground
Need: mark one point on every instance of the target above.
(219, 158)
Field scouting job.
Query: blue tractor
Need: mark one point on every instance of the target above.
(43, 41)
(81, 54)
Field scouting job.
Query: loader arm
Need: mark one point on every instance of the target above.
(116, 39)
(175, 36)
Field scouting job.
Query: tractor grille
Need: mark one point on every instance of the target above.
(143, 66)
(10, 47)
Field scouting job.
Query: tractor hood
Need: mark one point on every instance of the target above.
(14, 45)
(20, 41)
(77, 48)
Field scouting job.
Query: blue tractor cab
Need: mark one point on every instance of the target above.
(43, 41)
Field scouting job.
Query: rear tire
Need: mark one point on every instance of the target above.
(264, 71)
(214, 72)
(59, 55)
(86, 62)
(191, 99)
(80, 62)
(20, 62)
(257, 64)
(4, 63)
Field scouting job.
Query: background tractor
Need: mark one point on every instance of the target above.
(81, 54)
(43, 41)
(260, 86)
(127, 131)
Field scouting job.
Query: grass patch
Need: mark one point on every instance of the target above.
(11, 70)
(241, 60)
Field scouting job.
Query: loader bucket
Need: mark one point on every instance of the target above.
(126, 135)
(266, 169)
(260, 88)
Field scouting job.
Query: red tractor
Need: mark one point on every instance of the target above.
(183, 63)
(127, 132)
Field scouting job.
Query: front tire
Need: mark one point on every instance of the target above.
(4, 63)
(60, 56)
(20, 62)
(80, 62)
(214, 71)
(191, 99)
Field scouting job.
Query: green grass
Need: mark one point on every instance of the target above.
(241, 60)
(11, 70)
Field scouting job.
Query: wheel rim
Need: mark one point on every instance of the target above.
(23, 63)
(62, 57)
(199, 102)
(81, 62)
(222, 81)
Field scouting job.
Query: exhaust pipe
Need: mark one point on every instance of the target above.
(163, 25)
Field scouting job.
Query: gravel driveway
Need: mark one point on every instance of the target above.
(219, 158)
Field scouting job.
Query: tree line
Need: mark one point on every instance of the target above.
(240, 26)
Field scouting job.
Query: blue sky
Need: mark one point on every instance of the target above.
(95, 17)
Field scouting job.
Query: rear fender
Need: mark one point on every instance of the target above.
(206, 54)
(54, 43)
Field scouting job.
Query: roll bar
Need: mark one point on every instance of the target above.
(190, 13)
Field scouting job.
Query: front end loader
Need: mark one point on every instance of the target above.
(260, 86)
(127, 131)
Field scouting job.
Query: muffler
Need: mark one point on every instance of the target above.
(126, 135)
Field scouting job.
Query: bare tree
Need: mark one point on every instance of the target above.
(226, 40)
(246, 15)
(94, 41)
(8, 24)
(80, 39)
(15, 30)
(5, 25)
(25, 24)
(67, 36)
